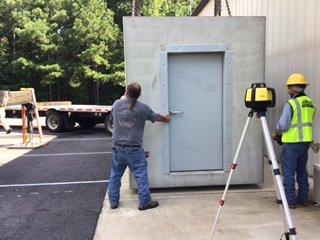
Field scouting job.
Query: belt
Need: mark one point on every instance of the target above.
(127, 145)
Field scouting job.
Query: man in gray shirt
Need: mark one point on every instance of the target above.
(129, 117)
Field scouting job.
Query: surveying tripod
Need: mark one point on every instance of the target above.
(281, 197)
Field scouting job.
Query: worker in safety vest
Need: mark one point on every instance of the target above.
(295, 126)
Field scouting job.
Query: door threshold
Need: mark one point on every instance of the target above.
(207, 172)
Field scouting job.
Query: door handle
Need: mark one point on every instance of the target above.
(175, 112)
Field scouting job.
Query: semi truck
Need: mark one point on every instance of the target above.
(61, 116)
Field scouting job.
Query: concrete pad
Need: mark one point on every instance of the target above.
(15, 139)
(29, 145)
(249, 213)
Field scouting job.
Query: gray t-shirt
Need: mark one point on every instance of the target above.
(128, 124)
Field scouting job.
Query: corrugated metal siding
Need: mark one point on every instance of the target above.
(292, 45)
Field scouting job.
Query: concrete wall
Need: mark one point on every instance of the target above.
(145, 38)
(292, 45)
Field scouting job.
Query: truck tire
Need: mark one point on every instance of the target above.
(54, 121)
(87, 122)
(68, 123)
(108, 124)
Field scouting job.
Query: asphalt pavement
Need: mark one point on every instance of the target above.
(56, 192)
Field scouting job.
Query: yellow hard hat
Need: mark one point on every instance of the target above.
(296, 79)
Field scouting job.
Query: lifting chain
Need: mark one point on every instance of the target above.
(218, 8)
(136, 7)
(228, 8)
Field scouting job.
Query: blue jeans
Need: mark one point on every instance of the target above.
(135, 159)
(294, 159)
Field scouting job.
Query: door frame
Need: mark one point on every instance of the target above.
(227, 82)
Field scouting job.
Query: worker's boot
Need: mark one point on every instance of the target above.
(152, 204)
(292, 206)
(305, 204)
(114, 205)
(9, 131)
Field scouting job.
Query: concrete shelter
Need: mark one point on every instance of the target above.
(198, 69)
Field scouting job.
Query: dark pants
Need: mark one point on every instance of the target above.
(294, 159)
(135, 159)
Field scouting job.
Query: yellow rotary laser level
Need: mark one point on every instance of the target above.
(259, 97)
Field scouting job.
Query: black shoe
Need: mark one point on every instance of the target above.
(114, 205)
(278, 201)
(305, 204)
(9, 131)
(152, 204)
(292, 206)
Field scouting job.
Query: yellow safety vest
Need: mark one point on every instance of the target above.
(301, 123)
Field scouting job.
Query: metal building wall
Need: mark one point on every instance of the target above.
(292, 45)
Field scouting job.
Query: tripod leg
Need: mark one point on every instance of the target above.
(233, 167)
(277, 177)
(279, 202)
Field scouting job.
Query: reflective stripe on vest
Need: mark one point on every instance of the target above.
(301, 123)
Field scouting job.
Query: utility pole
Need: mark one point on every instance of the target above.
(136, 7)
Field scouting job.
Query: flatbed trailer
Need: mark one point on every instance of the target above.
(61, 116)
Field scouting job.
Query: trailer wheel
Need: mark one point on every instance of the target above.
(54, 121)
(87, 122)
(108, 124)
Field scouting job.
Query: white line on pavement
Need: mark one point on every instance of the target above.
(78, 139)
(52, 184)
(64, 154)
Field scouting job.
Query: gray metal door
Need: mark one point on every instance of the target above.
(195, 94)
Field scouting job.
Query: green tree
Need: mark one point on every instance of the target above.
(70, 49)
(36, 43)
(177, 8)
(153, 8)
(60, 47)
(96, 39)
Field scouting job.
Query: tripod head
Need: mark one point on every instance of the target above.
(259, 97)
